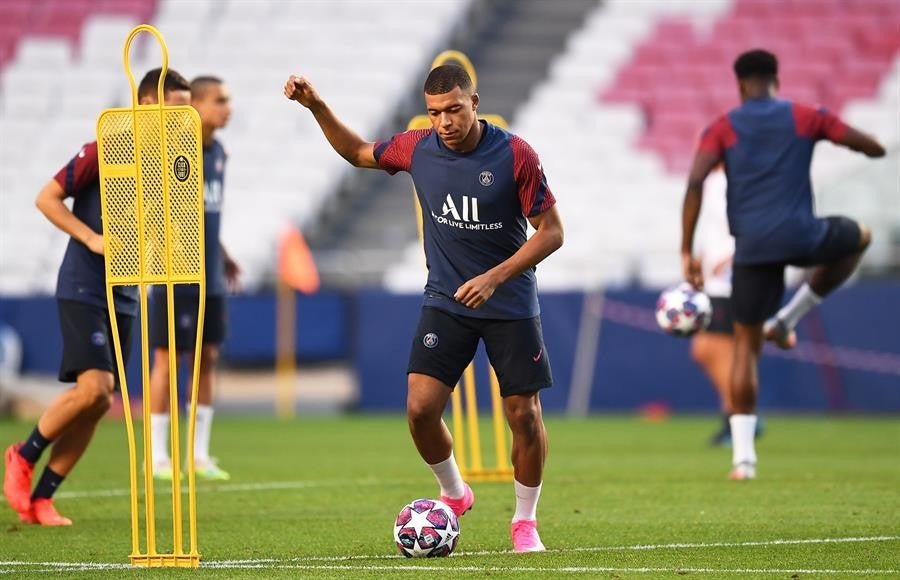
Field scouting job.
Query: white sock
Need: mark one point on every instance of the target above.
(800, 303)
(526, 501)
(448, 477)
(201, 433)
(743, 446)
(159, 432)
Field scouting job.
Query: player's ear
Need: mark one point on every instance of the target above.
(474, 101)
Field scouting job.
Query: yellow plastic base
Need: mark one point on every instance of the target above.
(166, 560)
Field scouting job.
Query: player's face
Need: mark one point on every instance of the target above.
(179, 97)
(452, 115)
(214, 106)
(173, 98)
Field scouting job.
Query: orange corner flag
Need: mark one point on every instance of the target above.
(295, 262)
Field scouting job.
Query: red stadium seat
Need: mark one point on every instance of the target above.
(59, 18)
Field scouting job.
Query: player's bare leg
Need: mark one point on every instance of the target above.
(426, 400)
(529, 451)
(95, 390)
(91, 392)
(714, 352)
(159, 414)
(748, 340)
(207, 468)
(823, 281)
(828, 277)
(89, 400)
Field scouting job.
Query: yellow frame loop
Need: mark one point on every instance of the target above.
(160, 92)
(459, 57)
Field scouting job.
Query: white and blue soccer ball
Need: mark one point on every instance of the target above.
(683, 310)
(426, 528)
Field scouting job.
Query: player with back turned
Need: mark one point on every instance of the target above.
(479, 187)
(766, 145)
(88, 358)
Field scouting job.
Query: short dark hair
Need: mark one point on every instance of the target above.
(173, 82)
(201, 84)
(758, 63)
(445, 78)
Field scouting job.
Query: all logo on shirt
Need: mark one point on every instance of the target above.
(463, 214)
(469, 208)
(486, 178)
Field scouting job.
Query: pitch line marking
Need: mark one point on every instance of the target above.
(547, 569)
(9, 567)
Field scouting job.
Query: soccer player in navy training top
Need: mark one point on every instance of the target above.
(767, 144)
(478, 186)
(88, 356)
(212, 99)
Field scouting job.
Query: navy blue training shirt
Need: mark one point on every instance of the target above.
(767, 146)
(474, 208)
(82, 275)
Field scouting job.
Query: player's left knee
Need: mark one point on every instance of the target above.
(209, 358)
(524, 418)
(96, 392)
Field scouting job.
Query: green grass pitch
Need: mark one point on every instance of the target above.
(623, 498)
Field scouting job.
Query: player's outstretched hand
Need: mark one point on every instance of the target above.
(690, 267)
(476, 291)
(299, 89)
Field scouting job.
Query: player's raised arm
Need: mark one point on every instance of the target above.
(858, 141)
(343, 139)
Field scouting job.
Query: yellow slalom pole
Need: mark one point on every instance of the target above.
(459, 435)
(472, 417)
(192, 426)
(499, 423)
(129, 421)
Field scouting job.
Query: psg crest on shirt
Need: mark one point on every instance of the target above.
(486, 178)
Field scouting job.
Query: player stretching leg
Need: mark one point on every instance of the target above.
(68, 424)
(767, 144)
(479, 186)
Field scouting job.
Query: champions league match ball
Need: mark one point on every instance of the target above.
(426, 528)
(682, 310)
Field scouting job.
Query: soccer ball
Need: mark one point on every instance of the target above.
(426, 528)
(682, 310)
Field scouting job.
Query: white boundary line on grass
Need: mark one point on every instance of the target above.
(9, 567)
(547, 569)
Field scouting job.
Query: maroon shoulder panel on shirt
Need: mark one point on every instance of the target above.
(80, 172)
(395, 154)
(534, 194)
(817, 123)
(718, 137)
